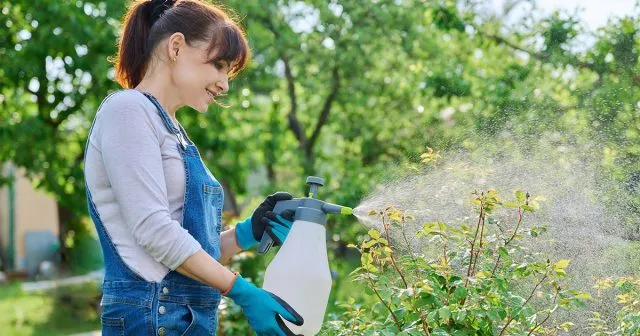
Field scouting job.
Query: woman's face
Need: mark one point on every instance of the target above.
(197, 80)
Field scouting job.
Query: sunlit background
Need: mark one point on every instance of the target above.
(409, 103)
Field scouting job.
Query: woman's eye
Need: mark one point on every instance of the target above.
(221, 65)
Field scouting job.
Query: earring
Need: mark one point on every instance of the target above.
(174, 59)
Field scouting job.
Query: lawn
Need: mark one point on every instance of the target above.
(65, 311)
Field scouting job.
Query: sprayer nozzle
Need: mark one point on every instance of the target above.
(346, 211)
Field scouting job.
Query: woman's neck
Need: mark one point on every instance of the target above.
(155, 85)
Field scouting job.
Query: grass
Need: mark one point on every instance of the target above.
(65, 311)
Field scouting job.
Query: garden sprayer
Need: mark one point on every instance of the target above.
(299, 273)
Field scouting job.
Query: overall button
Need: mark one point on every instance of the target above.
(162, 331)
(162, 310)
(165, 290)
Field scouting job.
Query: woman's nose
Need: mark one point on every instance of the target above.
(222, 85)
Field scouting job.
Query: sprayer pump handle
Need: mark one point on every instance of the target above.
(265, 243)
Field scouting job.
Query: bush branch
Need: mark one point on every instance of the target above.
(473, 243)
(515, 232)
(555, 297)
(373, 288)
(393, 260)
(512, 316)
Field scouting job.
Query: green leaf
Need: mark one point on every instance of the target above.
(440, 332)
(502, 313)
(368, 244)
(373, 233)
(502, 251)
(366, 259)
(460, 293)
(520, 196)
(560, 265)
(483, 275)
(566, 326)
(445, 314)
(584, 296)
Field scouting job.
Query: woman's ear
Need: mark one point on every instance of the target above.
(175, 43)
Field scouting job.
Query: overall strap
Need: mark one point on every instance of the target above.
(167, 121)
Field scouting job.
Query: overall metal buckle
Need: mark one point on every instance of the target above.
(181, 140)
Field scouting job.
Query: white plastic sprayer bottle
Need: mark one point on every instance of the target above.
(299, 273)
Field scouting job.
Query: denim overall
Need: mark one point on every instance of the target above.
(177, 305)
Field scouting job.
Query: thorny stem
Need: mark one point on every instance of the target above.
(511, 317)
(482, 231)
(393, 260)
(425, 325)
(413, 258)
(353, 326)
(444, 250)
(446, 278)
(474, 242)
(495, 267)
(515, 232)
(373, 287)
(555, 296)
(475, 262)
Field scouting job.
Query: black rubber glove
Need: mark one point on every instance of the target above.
(257, 223)
(278, 226)
(249, 232)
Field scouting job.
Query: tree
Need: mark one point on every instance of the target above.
(54, 74)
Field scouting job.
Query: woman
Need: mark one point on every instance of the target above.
(156, 207)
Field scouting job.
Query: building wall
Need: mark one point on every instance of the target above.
(4, 222)
(34, 211)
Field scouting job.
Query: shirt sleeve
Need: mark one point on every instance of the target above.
(132, 158)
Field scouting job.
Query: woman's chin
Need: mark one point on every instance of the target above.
(202, 108)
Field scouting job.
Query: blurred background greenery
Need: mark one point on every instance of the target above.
(352, 91)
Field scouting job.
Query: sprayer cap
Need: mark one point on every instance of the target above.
(315, 180)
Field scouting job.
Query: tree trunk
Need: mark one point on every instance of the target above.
(66, 220)
(230, 201)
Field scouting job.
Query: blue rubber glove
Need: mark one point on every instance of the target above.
(262, 309)
(249, 232)
(278, 226)
(244, 234)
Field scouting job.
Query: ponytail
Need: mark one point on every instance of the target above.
(132, 56)
(147, 22)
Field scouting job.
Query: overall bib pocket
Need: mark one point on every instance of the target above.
(213, 196)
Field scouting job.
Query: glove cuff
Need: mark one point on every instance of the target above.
(244, 234)
(239, 289)
(233, 282)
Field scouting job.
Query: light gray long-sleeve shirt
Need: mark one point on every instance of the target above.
(136, 178)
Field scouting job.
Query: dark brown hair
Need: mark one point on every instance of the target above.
(147, 22)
